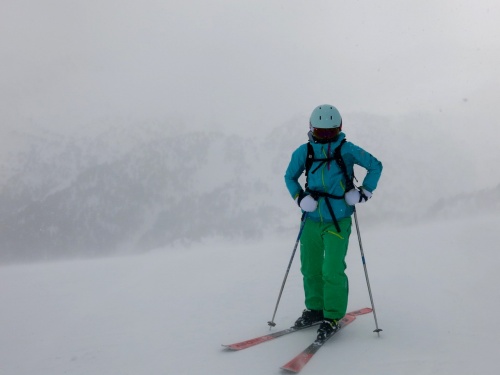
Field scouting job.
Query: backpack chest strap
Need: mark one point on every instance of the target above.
(318, 194)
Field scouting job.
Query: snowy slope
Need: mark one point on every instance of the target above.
(167, 312)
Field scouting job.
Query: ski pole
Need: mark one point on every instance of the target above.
(378, 330)
(303, 222)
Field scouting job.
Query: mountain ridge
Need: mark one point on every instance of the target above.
(134, 189)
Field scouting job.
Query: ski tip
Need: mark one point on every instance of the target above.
(229, 347)
(287, 370)
(298, 363)
(294, 367)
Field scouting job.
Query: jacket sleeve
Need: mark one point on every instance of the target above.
(295, 169)
(358, 156)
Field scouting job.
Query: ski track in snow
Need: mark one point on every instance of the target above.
(168, 311)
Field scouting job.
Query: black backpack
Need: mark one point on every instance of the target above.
(337, 157)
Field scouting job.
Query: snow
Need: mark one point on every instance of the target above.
(168, 311)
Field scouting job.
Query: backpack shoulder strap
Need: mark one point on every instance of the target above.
(309, 158)
(337, 154)
(309, 161)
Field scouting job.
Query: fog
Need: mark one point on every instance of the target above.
(248, 63)
(165, 101)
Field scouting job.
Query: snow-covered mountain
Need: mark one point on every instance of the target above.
(135, 188)
(72, 197)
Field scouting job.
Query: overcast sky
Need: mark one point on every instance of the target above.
(249, 64)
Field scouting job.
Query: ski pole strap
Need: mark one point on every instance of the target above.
(362, 196)
(318, 194)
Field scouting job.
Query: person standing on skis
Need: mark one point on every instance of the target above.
(328, 200)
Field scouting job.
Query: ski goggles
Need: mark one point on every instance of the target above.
(329, 133)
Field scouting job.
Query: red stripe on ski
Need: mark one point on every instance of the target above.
(362, 311)
(300, 360)
(249, 343)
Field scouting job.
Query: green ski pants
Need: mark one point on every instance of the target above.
(322, 254)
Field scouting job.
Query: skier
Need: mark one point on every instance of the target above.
(328, 200)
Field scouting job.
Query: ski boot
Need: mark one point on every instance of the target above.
(308, 318)
(327, 328)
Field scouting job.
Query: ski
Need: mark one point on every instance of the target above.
(271, 336)
(264, 338)
(300, 360)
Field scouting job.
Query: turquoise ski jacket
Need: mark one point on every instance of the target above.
(329, 178)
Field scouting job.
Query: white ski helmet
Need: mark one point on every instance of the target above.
(325, 116)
